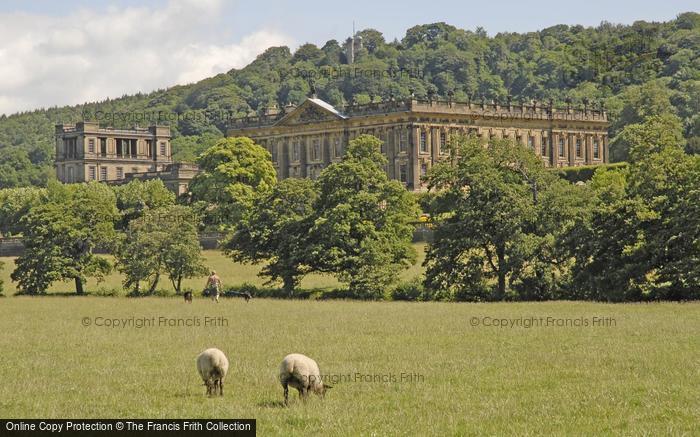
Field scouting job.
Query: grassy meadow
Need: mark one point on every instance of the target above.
(427, 368)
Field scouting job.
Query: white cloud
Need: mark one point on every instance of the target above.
(90, 55)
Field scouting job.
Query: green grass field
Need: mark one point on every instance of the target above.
(231, 273)
(638, 375)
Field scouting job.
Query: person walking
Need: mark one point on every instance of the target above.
(214, 286)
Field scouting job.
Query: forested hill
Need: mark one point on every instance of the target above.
(636, 70)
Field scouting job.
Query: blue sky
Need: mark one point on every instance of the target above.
(68, 52)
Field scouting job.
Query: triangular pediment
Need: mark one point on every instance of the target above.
(311, 111)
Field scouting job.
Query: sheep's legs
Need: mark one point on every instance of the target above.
(221, 387)
(286, 394)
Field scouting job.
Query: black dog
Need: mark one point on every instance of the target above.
(188, 296)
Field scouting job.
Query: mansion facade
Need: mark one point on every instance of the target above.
(87, 152)
(305, 139)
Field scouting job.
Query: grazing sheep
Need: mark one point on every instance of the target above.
(212, 365)
(188, 296)
(302, 373)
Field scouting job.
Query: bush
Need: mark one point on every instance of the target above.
(255, 291)
(412, 290)
(584, 173)
(344, 293)
(2, 264)
(108, 292)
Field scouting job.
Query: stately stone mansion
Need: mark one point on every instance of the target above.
(303, 140)
(87, 152)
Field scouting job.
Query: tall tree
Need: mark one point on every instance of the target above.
(16, 203)
(641, 240)
(234, 171)
(276, 230)
(162, 240)
(61, 234)
(497, 212)
(362, 226)
(134, 198)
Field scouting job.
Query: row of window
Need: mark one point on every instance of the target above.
(125, 147)
(92, 173)
(579, 148)
(337, 149)
(424, 142)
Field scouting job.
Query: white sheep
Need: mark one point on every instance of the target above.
(302, 373)
(212, 365)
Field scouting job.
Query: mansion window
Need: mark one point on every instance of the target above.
(295, 151)
(315, 150)
(120, 173)
(578, 147)
(163, 148)
(92, 173)
(403, 173)
(531, 142)
(561, 146)
(423, 142)
(544, 146)
(402, 141)
(596, 149)
(443, 140)
(338, 150)
(423, 169)
(519, 139)
(103, 147)
(103, 173)
(70, 147)
(273, 152)
(91, 145)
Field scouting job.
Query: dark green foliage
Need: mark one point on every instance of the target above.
(162, 240)
(234, 172)
(584, 173)
(412, 290)
(362, 223)
(275, 231)
(640, 241)
(15, 203)
(136, 197)
(499, 217)
(60, 235)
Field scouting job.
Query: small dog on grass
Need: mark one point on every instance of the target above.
(244, 294)
(188, 297)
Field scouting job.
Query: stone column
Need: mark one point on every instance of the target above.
(391, 145)
(572, 149)
(435, 146)
(605, 151)
(588, 148)
(414, 160)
